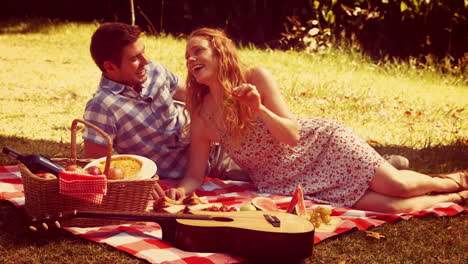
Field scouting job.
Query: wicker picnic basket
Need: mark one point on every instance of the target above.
(42, 197)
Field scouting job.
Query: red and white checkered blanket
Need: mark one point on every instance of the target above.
(144, 240)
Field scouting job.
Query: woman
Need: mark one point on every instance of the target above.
(243, 110)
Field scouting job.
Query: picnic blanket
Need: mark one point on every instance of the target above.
(144, 240)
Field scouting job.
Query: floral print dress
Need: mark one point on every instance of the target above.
(332, 164)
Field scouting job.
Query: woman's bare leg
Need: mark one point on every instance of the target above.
(372, 201)
(405, 183)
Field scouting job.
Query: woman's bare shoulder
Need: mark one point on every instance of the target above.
(259, 76)
(257, 72)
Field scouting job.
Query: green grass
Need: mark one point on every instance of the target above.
(47, 76)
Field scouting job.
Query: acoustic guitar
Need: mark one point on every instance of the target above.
(248, 234)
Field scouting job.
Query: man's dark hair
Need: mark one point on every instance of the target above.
(109, 40)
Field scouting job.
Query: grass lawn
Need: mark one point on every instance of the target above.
(48, 75)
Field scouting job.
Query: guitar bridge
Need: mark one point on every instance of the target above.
(273, 220)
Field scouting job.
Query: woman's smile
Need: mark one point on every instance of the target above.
(196, 68)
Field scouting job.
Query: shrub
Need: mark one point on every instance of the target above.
(404, 28)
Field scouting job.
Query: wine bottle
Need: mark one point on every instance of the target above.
(34, 162)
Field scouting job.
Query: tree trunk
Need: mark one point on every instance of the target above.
(132, 12)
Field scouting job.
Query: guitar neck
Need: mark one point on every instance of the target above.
(137, 216)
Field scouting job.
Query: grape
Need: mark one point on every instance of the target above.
(320, 215)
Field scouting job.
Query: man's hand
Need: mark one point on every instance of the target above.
(177, 194)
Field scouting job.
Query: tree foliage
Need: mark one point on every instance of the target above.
(383, 27)
(395, 28)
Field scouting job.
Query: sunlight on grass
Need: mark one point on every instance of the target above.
(48, 75)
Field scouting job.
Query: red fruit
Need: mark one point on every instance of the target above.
(94, 170)
(297, 203)
(265, 204)
(49, 176)
(115, 173)
(74, 167)
(46, 176)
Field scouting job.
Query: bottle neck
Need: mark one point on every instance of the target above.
(11, 152)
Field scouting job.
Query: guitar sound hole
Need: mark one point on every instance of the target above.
(222, 219)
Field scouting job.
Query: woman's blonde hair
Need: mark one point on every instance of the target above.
(231, 73)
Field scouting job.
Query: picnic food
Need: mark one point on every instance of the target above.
(264, 204)
(194, 203)
(34, 162)
(115, 173)
(74, 167)
(164, 201)
(297, 204)
(129, 165)
(193, 199)
(46, 176)
(222, 208)
(322, 220)
(319, 215)
(167, 205)
(94, 170)
(248, 207)
(190, 203)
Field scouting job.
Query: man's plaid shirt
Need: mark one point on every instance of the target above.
(147, 124)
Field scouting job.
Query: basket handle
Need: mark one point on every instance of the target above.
(100, 131)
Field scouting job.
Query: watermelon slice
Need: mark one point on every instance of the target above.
(265, 204)
(297, 204)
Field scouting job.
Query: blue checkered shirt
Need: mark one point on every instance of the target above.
(147, 124)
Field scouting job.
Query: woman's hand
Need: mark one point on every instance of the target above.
(248, 94)
(157, 192)
(177, 194)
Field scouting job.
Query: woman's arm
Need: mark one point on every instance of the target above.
(264, 97)
(198, 160)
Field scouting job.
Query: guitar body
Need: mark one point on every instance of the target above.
(247, 234)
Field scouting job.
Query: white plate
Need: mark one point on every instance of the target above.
(148, 168)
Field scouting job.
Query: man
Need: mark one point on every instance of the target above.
(136, 105)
